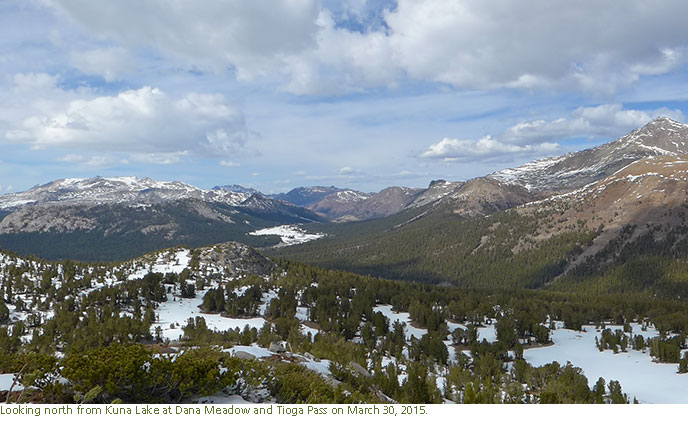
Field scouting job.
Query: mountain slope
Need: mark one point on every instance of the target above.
(628, 230)
(484, 195)
(338, 203)
(351, 205)
(384, 203)
(304, 196)
(641, 209)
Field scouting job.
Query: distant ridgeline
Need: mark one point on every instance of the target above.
(111, 219)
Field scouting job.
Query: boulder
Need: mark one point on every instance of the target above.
(360, 370)
(277, 347)
(244, 355)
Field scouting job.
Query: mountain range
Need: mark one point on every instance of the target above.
(119, 217)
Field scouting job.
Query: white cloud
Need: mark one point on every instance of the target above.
(159, 158)
(407, 173)
(229, 164)
(96, 161)
(485, 148)
(542, 136)
(346, 170)
(146, 124)
(474, 44)
(109, 63)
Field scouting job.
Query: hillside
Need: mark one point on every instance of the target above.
(223, 324)
(639, 209)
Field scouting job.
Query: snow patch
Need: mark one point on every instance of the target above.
(289, 233)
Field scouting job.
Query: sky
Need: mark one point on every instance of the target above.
(364, 94)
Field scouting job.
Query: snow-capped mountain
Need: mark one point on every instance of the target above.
(305, 196)
(236, 188)
(662, 136)
(118, 190)
(118, 217)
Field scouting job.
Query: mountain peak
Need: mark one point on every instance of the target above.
(661, 136)
(236, 188)
(662, 120)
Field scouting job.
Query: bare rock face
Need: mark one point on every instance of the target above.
(306, 196)
(339, 203)
(237, 259)
(46, 219)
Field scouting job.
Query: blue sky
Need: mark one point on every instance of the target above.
(276, 94)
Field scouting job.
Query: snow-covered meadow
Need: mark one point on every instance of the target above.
(639, 375)
(289, 233)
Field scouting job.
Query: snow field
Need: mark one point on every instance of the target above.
(290, 234)
(177, 311)
(640, 377)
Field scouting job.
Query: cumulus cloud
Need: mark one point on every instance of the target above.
(487, 44)
(542, 136)
(487, 147)
(109, 63)
(229, 164)
(473, 44)
(146, 124)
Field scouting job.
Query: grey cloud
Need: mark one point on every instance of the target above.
(474, 44)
